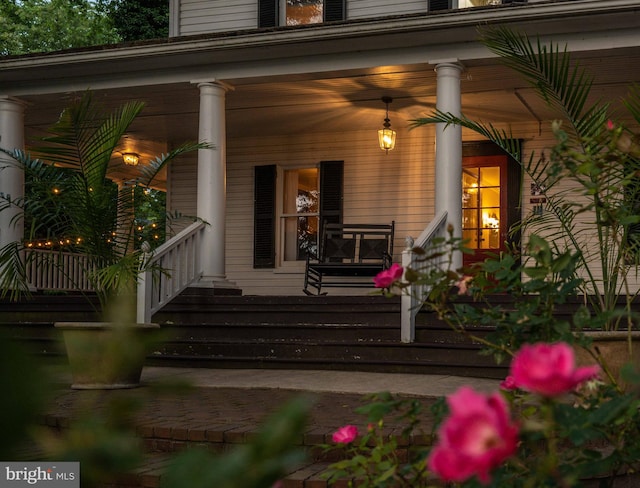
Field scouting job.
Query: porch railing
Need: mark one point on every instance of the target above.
(411, 300)
(54, 270)
(170, 269)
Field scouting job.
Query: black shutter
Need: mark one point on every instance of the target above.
(439, 5)
(267, 13)
(331, 190)
(334, 10)
(264, 211)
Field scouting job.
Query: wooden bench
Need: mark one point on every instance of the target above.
(350, 256)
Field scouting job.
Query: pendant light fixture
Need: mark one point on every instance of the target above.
(387, 136)
(130, 159)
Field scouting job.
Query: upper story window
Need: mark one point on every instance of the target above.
(453, 4)
(299, 12)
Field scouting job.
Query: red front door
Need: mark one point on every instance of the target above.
(484, 205)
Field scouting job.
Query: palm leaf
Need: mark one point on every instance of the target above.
(13, 281)
(632, 102)
(550, 71)
(150, 171)
(535, 167)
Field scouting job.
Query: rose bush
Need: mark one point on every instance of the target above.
(553, 424)
(580, 246)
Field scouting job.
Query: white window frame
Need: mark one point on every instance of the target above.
(283, 266)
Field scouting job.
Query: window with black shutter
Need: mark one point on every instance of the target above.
(299, 12)
(310, 197)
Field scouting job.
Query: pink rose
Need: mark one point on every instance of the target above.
(477, 436)
(386, 278)
(508, 383)
(345, 435)
(549, 369)
(463, 284)
(610, 125)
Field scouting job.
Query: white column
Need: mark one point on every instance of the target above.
(448, 191)
(11, 176)
(211, 201)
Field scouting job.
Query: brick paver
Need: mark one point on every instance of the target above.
(218, 417)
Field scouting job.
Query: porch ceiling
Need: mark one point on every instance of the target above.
(335, 101)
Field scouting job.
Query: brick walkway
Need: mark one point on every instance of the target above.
(218, 418)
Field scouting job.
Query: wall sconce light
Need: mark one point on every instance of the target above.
(387, 136)
(130, 159)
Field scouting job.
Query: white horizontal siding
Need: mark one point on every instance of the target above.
(359, 9)
(541, 143)
(208, 16)
(204, 16)
(181, 197)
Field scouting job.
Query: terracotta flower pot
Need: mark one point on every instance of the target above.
(617, 348)
(104, 355)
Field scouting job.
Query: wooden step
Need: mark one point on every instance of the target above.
(359, 333)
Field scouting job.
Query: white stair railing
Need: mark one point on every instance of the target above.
(412, 297)
(168, 270)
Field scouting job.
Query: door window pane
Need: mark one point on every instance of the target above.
(469, 218)
(472, 237)
(490, 176)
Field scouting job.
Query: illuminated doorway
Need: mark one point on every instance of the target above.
(485, 213)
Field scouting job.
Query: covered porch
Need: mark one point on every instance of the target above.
(303, 97)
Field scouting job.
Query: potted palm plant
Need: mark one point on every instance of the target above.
(590, 181)
(71, 194)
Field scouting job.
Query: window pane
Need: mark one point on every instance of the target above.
(300, 206)
(301, 237)
(491, 218)
(300, 191)
(470, 218)
(472, 237)
(490, 176)
(300, 12)
(470, 188)
(490, 239)
(490, 197)
(477, 3)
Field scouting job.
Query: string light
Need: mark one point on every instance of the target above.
(63, 242)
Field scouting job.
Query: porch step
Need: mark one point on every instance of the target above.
(319, 332)
(359, 333)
